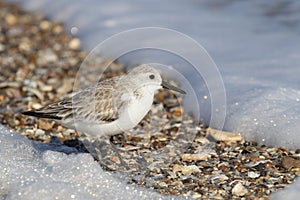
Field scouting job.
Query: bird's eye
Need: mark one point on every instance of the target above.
(151, 76)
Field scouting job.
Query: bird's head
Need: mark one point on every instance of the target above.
(149, 77)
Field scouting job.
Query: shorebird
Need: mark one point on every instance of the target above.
(112, 106)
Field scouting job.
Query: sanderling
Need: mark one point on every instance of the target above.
(112, 106)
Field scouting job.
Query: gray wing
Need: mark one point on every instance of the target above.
(99, 103)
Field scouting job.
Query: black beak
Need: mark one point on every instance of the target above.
(166, 85)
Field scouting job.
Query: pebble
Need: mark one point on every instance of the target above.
(46, 88)
(25, 46)
(219, 178)
(239, 190)
(202, 140)
(66, 86)
(40, 132)
(30, 83)
(186, 170)
(290, 163)
(116, 159)
(74, 44)
(45, 124)
(36, 105)
(34, 91)
(47, 56)
(196, 196)
(253, 174)
(223, 135)
(11, 19)
(29, 132)
(57, 29)
(2, 47)
(45, 25)
(195, 157)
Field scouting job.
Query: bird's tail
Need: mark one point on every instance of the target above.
(42, 114)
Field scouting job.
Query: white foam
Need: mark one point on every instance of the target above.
(28, 171)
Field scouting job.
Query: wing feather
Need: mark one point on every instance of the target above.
(97, 103)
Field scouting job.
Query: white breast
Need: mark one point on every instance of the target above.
(136, 110)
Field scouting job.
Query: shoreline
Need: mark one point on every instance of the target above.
(42, 60)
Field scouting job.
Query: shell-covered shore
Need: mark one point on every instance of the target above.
(169, 151)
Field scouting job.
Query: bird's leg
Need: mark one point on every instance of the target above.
(102, 150)
(147, 127)
(116, 150)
